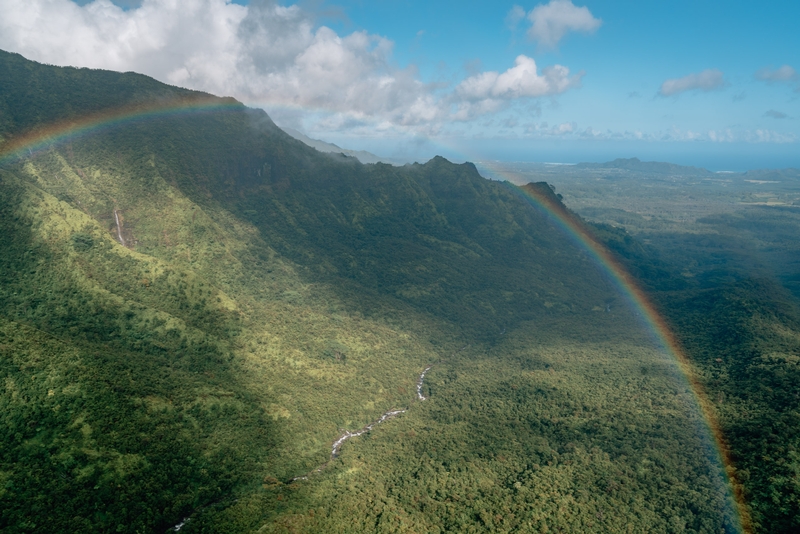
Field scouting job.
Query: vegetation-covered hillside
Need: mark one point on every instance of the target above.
(194, 306)
(742, 330)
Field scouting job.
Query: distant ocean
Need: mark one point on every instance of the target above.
(712, 156)
(735, 157)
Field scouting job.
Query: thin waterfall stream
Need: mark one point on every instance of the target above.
(346, 434)
(119, 228)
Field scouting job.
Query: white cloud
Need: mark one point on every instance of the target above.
(564, 128)
(490, 91)
(730, 135)
(770, 136)
(264, 54)
(551, 22)
(707, 80)
(521, 80)
(781, 74)
(169, 40)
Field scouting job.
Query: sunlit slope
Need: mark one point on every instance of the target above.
(110, 404)
(536, 434)
(192, 305)
(255, 378)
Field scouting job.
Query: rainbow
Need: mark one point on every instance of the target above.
(43, 137)
(47, 136)
(582, 236)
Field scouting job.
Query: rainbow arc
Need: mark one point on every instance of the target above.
(43, 137)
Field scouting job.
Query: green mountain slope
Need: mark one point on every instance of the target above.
(193, 305)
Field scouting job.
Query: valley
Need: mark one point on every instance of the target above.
(194, 306)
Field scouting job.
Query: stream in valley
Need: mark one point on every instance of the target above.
(346, 434)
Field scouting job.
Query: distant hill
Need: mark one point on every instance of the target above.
(778, 175)
(655, 167)
(362, 155)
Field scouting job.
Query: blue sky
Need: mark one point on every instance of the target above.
(638, 46)
(707, 83)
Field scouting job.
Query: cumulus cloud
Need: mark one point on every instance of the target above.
(550, 22)
(489, 91)
(781, 74)
(172, 41)
(521, 80)
(264, 54)
(564, 128)
(707, 80)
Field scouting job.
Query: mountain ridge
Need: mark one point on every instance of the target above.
(362, 155)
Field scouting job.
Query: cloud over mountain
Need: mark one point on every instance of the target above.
(264, 54)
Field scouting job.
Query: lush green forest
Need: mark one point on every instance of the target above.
(194, 306)
(740, 326)
(718, 252)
